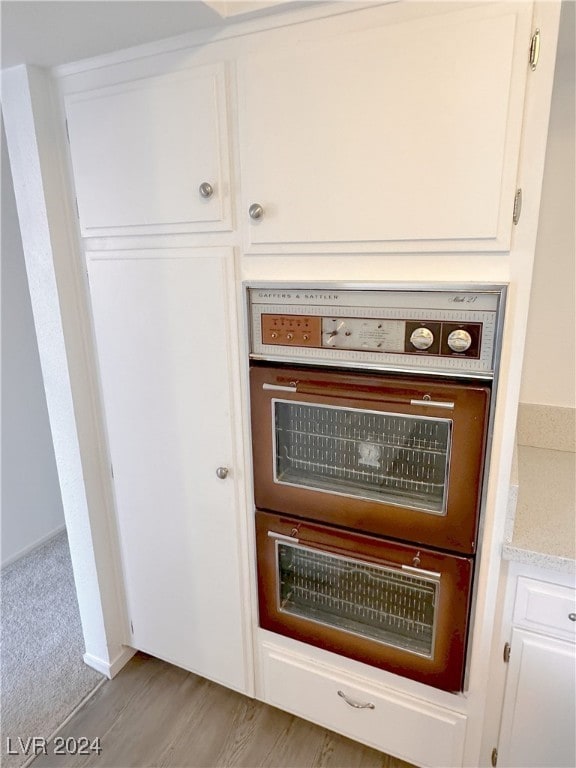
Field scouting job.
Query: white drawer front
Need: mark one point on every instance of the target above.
(394, 723)
(545, 607)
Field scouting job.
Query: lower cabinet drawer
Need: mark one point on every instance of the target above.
(400, 725)
(544, 607)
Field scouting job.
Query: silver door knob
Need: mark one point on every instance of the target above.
(256, 211)
(222, 473)
(206, 190)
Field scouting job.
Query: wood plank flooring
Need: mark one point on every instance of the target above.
(155, 714)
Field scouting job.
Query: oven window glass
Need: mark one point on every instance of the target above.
(377, 602)
(389, 457)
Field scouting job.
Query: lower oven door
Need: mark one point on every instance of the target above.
(395, 606)
(380, 454)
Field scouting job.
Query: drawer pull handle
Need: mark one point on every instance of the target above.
(356, 704)
(572, 616)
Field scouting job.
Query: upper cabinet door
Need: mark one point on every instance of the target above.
(400, 136)
(144, 152)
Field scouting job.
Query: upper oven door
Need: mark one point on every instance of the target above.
(395, 457)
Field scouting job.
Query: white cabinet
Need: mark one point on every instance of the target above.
(163, 331)
(142, 150)
(400, 136)
(539, 711)
(383, 718)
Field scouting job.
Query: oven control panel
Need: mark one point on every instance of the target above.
(431, 330)
(405, 337)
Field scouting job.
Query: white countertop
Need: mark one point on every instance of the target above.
(541, 526)
(544, 530)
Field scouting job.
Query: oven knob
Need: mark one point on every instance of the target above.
(422, 338)
(459, 341)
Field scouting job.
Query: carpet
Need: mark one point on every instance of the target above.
(43, 677)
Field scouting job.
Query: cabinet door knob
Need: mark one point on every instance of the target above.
(222, 473)
(256, 211)
(572, 616)
(206, 190)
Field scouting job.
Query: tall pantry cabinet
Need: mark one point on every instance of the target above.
(150, 157)
(169, 413)
(390, 132)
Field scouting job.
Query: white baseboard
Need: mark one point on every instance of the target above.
(35, 545)
(110, 668)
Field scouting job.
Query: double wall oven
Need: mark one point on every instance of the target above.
(370, 410)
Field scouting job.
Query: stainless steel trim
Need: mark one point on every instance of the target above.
(376, 286)
(433, 404)
(280, 387)
(436, 372)
(498, 342)
(356, 704)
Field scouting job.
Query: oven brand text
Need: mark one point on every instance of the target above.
(323, 297)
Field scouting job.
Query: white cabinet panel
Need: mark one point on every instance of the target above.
(545, 607)
(539, 706)
(401, 725)
(140, 151)
(400, 137)
(162, 328)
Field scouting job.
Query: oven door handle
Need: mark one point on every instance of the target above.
(292, 387)
(447, 405)
(283, 537)
(422, 572)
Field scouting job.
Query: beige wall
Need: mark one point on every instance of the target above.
(550, 358)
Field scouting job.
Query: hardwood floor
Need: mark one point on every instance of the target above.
(155, 714)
